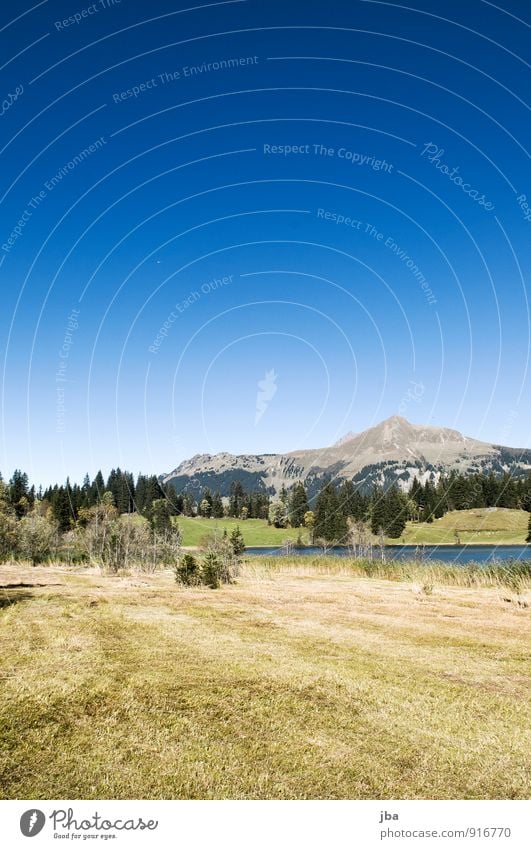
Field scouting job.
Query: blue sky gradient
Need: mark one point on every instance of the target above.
(343, 203)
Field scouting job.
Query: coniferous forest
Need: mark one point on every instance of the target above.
(88, 521)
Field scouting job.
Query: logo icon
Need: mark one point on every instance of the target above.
(267, 389)
(32, 822)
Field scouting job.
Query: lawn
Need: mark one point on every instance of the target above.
(292, 683)
(492, 526)
(255, 531)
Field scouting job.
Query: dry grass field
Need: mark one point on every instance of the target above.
(291, 684)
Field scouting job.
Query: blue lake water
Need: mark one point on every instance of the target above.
(442, 553)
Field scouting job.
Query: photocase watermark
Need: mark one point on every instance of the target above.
(48, 186)
(87, 12)
(65, 825)
(183, 305)
(389, 242)
(167, 77)
(74, 162)
(351, 156)
(434, 154)
(414, 395)
(18, 229)
(524, 206)
(61, 379)
(11, 98)
(32, 822)
(267, 389)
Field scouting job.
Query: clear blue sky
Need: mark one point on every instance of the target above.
(350, 173)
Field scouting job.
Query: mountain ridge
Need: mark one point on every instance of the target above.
(392, 451)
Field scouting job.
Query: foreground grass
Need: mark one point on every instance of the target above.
(327, 684)
(490, 526)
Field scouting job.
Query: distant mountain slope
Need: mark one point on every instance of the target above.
(393, 451)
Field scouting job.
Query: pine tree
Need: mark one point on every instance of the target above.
(378, 511)
(298, 505)
(188, 505)
(347, 498)
(210, 570)
(236, 499)
(396, 513)
(153, 493)
(217, 506)
(187, 570)
(330, 522)
(160, 517)
(18, 492)
(528, 538)
(62, 509)
(97, 489)
(237, 541)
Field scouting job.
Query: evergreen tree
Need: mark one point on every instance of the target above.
(236, 499)
(153, 493)
(188, 505)
(237, 541)
(187, 571)
(18, 492)
(140, 493)
(378, 512)
(85, 492)
(97, 489)
(217, 506)
(298, 505)
(210, 570)
(175, 501)
(396, 513)
(330, 521)
(160, 517)
(62, 509)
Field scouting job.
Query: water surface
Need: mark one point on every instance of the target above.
(442, 553)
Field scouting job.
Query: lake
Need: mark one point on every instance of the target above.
(442, 553)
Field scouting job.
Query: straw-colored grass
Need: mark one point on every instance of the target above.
(285, 685)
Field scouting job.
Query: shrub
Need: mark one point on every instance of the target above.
(37, 537)
(187, 571)
(211, 570)
(237, 541)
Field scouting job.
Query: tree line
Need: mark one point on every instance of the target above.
(91, 510)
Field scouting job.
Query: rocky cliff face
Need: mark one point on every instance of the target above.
(393, 451)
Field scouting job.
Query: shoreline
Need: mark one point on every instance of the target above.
(398, 545)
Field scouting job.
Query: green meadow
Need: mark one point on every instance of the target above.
(494, 526)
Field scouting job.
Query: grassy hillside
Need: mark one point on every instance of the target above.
(491, 526)
(494, 526)
(285, 685)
